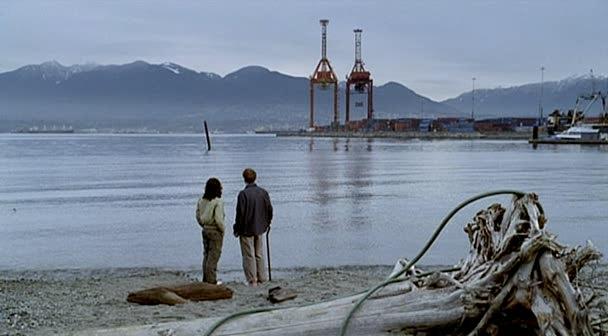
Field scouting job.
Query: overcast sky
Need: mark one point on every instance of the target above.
(433, 47)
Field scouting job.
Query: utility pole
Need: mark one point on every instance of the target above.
(540, 99)
(421, 108)
(473, 100)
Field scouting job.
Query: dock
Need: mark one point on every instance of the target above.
(404, 135)
(566, 142)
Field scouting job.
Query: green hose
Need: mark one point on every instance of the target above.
(386, 282)
(220, 322)
(423, 251)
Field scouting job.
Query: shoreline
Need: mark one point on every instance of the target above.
(405, 135)
(304, 134)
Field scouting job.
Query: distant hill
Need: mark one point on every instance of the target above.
(523, 100)
(170, 97)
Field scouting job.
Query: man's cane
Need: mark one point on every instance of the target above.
(268, 253)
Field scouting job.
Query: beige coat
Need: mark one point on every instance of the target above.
(210, 214)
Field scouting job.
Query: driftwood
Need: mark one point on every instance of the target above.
(172, 295)
(516, 280)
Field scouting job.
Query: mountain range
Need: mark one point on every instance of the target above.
(170, 97)
(525, 100)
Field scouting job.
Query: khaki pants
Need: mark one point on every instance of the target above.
(212, 249)
(253, 258)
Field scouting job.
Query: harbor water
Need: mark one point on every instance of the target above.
(98, 201)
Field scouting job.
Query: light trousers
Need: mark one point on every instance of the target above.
(252, 250)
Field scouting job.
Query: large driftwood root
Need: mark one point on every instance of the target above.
(516, 280)
(172, 295)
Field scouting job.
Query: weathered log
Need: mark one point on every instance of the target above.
(178, 294)
(389, 312)
(516, 280)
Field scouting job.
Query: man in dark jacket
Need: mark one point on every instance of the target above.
(253, 217)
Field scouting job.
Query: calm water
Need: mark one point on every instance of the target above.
(88, 201)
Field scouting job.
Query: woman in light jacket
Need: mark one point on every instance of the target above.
(210, 216)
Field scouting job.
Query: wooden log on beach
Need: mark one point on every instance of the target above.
(172, 295)
(516, 279)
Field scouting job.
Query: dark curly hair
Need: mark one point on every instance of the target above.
(213, 189)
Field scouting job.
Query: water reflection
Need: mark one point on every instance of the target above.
(321, 172)
(359, 186)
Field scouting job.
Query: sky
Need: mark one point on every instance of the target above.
(433, 47)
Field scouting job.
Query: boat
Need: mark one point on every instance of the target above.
(583, 132)
(46, 130)
(558, 121)
(574, 128)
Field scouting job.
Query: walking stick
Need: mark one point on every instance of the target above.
(268, 253)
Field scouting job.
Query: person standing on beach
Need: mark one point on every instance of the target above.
(210, 216)
(253, 217)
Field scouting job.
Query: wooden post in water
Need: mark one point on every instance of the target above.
(207, 135)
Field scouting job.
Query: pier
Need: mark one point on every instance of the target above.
(404, 135)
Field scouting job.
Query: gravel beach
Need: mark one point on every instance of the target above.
(64, 301)
(61, 301)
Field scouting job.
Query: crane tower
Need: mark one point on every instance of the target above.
(325, 76)
(360, 79)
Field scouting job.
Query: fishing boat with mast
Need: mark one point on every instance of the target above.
(574, 128)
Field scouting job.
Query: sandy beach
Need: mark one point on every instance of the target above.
(61, 301)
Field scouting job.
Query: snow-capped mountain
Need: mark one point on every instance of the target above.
(51, 71)
(524, 100)
(172, 97)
